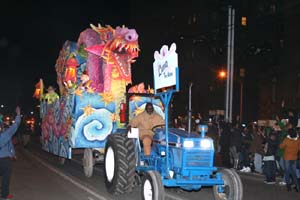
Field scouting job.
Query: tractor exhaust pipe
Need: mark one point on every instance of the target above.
(190, 108)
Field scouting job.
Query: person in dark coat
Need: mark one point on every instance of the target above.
(235, 145)
(245, 149)
(257, 148)
(224, 143)
(269, 160)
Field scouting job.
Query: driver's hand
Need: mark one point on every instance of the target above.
(128, 128)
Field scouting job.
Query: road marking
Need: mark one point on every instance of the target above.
(99, 170)
(167, 194)
(68, 179)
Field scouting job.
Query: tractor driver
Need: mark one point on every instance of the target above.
(145, 122)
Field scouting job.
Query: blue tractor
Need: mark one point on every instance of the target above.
(178, 159)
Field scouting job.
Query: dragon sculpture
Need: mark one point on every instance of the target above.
(92, 75)
(104, 55)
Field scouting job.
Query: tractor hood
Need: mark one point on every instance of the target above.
(181, 138)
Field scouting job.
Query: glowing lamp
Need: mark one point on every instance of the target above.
(244, 21)
(222, 74)
(71, 70)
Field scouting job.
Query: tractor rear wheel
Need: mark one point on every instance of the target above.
(119, 164)
(152, 187)
(232, 188)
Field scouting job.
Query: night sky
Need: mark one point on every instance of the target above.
(32, 34)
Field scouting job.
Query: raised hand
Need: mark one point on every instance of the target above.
(18, 110)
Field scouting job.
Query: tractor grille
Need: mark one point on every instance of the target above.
(199, 158)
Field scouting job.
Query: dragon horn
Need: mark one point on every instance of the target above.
(93, 27)
(99, 25)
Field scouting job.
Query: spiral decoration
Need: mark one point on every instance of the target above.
(94, 127)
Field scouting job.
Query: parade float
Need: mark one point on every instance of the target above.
(90, 102)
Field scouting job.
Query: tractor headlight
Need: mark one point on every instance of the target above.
(205, 143)
(188, 144)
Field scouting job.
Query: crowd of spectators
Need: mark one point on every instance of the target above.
(272, 150)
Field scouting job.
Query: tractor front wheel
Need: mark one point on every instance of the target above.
(232, 188)
(152, 187)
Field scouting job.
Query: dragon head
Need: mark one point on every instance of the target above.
(120, 49)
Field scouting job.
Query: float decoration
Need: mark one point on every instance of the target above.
(39, 90)
(92, 75)
(70, 76)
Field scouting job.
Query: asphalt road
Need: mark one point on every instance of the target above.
(38, 175)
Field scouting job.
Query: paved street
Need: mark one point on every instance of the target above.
(37, 175)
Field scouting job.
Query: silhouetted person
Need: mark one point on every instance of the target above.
(224, 143)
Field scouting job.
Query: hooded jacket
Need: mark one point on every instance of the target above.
(6, 146)
(291, 147)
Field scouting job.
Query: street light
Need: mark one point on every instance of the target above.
(222, 74)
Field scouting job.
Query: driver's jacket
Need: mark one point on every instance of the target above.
(145, 122)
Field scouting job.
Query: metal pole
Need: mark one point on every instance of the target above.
(228, 65)
(190, 108)
(232, 65)
(241, 102)
(242, 75)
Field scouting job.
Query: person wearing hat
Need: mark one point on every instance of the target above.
(291, 147)
(51, 95)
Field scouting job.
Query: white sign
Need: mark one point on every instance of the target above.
(164, 67)
(133, 133)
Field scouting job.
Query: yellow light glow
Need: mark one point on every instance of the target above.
(244, 21)
(222, 74)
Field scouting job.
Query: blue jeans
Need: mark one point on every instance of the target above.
(282, 166)
(5, 172)
(290, 170)
(270, 170)
(258, 162)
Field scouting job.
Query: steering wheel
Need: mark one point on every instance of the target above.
(157, 126)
